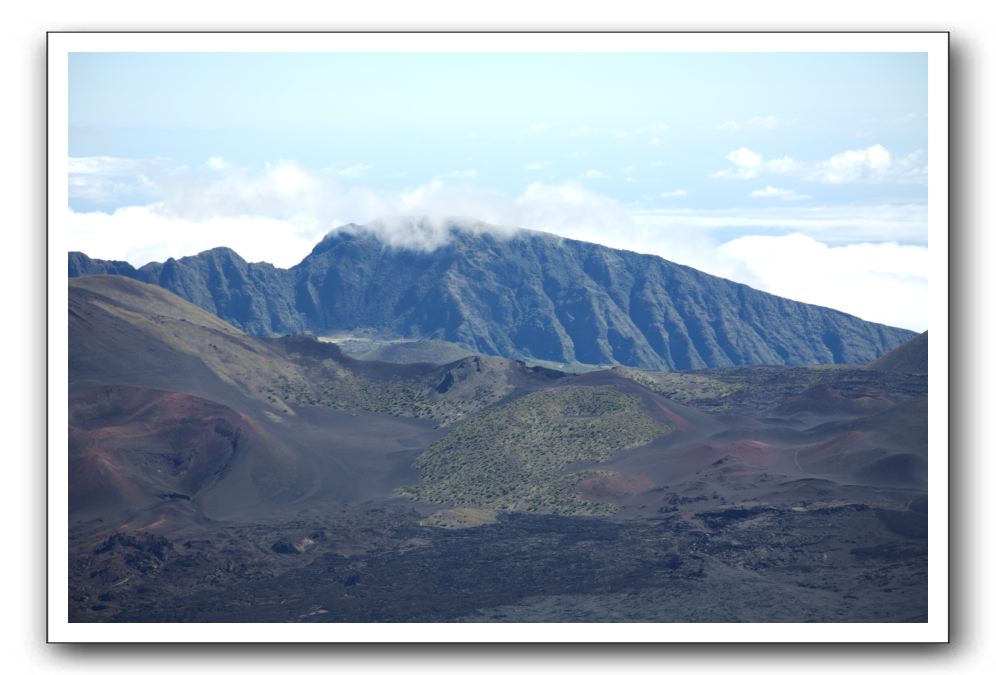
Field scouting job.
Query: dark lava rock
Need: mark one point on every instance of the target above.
(286, 547)
(152, 545)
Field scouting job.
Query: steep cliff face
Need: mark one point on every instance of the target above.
(529, 295)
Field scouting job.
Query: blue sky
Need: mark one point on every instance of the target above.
(713, 160)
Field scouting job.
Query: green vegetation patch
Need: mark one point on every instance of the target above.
(398, 397)
(472, 385)
(686, 387)
(514, 457)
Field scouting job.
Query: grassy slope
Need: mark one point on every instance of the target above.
(516, 457)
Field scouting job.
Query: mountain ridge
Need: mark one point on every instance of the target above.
(525, 295)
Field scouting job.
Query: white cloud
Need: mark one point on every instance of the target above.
(883, 282)
(771, 192)
(756, 122)
(217, 163)
(104, 165)
(278, 213)
(113, 179)
(832, 224)
(746, 164)
(744, 158)
(538, 127)
(851, 165)
(537, 166)
(783, 165)
(872, 164)
(354, 170)
(594, 173)
(289, 180)
(671, 194)
(570, 210)
(279, 190)
(141, 234)
(910, 167)
(877, 281)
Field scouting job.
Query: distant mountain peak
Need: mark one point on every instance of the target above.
(514, 293)
(223, 251)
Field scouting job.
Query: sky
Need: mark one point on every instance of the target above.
(799, 174)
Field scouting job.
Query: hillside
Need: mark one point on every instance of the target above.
(134, 448)
(909, 357)
(514, 456)
(480, 432)
(530, 296)
(219, 476)
(167, 399)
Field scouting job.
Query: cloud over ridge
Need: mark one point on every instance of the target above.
(279, 212)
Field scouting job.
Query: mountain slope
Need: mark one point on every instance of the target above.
(176, 416)
(909, 357)
(531, 295)
(133, 448)
(123, 331)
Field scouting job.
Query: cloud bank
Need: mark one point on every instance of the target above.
(885, 282)
(829, 256)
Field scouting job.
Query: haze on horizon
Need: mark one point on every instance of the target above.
(799, 174)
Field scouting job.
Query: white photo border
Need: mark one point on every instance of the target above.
(934, 44)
